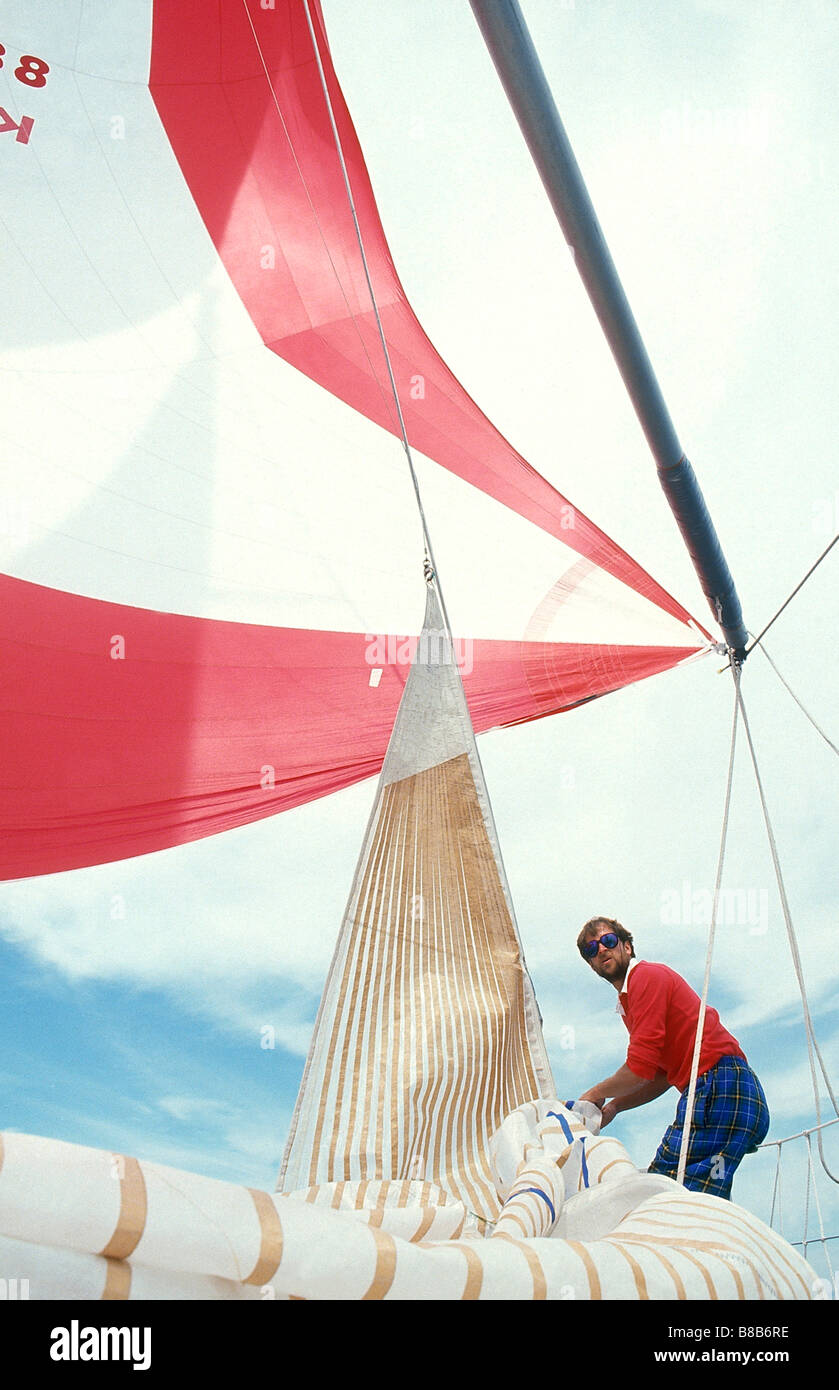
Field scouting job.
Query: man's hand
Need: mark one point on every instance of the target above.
(608, 1108)
(608, 1113)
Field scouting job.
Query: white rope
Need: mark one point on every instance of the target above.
(816, 726)
(700, 1026)
(811, 1178)
(777, 1202)
(394, 392)
(776, 1194)
(812, 1045)
(799, 1133)
(807, 1193)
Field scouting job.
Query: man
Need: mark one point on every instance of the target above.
(661, 1013)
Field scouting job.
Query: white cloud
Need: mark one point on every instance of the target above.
(195, 1108)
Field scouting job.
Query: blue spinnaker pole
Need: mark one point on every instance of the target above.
(511, 48)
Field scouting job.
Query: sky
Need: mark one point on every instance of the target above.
(138, 998)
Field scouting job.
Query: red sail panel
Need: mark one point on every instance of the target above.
(239, 93)
(127, 731)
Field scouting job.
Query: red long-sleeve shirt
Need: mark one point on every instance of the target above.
(661, 1012)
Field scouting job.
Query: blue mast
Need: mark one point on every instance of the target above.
(511, 48)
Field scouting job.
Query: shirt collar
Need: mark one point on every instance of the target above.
(619, 1009)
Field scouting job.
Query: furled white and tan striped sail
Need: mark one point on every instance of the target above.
(428, 1033)
(578, 1222)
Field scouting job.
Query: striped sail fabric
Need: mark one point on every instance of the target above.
(88, 1224)
(428, 1032)
(414, 1211)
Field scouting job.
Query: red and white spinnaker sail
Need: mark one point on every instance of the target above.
(211, 561)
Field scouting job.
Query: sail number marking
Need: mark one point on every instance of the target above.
(32, 72)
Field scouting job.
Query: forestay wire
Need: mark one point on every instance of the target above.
(312, 207)
(430, 566)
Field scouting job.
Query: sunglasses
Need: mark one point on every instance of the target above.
(608, 939)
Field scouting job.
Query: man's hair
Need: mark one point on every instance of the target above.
(620, 932)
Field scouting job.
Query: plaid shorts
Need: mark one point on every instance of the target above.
(730, 1119)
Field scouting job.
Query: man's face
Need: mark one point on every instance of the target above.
(613, 964)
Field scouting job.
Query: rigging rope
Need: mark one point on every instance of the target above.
(429, 553)
(777, 1204)
(792, 595)
(812, 1044)
(429, 556)
(811, 1181)
(816, 726)
(697, 1047)
(776, 1191)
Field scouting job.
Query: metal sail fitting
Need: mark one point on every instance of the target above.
(515, 58)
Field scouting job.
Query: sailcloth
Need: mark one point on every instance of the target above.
(208, 541)
(208, 614)
(87, 1224)
(428, 1033)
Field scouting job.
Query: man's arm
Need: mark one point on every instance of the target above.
(624, 1091)
(649, 1090)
